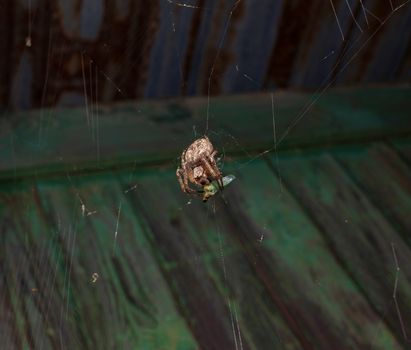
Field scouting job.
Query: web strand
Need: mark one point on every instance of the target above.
(215, 61)
(338, 22)
(394, 293)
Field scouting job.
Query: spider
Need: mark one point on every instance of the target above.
(199, 167)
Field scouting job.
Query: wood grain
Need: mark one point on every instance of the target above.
(357, 233)
(382, 174)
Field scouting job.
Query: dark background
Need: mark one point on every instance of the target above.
(149, 49)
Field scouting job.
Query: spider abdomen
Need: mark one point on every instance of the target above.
(198, 149)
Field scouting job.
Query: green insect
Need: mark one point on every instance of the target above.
(212, 188)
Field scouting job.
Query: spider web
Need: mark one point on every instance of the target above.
(82, 204)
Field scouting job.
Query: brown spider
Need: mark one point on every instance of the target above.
(198, 166)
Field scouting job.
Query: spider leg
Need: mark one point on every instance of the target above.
(213, 163)
(212, 169)
(220, 176)
(220, 183)
(182, 179)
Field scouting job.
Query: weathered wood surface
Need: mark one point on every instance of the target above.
(296, 253)
(386, 179)
(221, 298)
(310, 285)
(58, 140)
(358, 234)
(32, 293)
(299, 260)
(49, 262)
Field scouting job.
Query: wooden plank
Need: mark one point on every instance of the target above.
(129, 305)
(357, 233)
(29, 269)
(48, 255)
(305, 291)
(8, 316)
(386, 179)
(217, 292)
(59, 140)
(294, 261)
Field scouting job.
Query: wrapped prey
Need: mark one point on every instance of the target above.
(213, 187)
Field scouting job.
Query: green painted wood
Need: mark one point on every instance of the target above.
(205, 309)
(129, 306)
(27, 250)
(150, 317)
(59, 140)
(386, 179)
(292, 253)
(207, 270)
(304, 262)
(356, 232)
(292, 279)
(308, 289)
